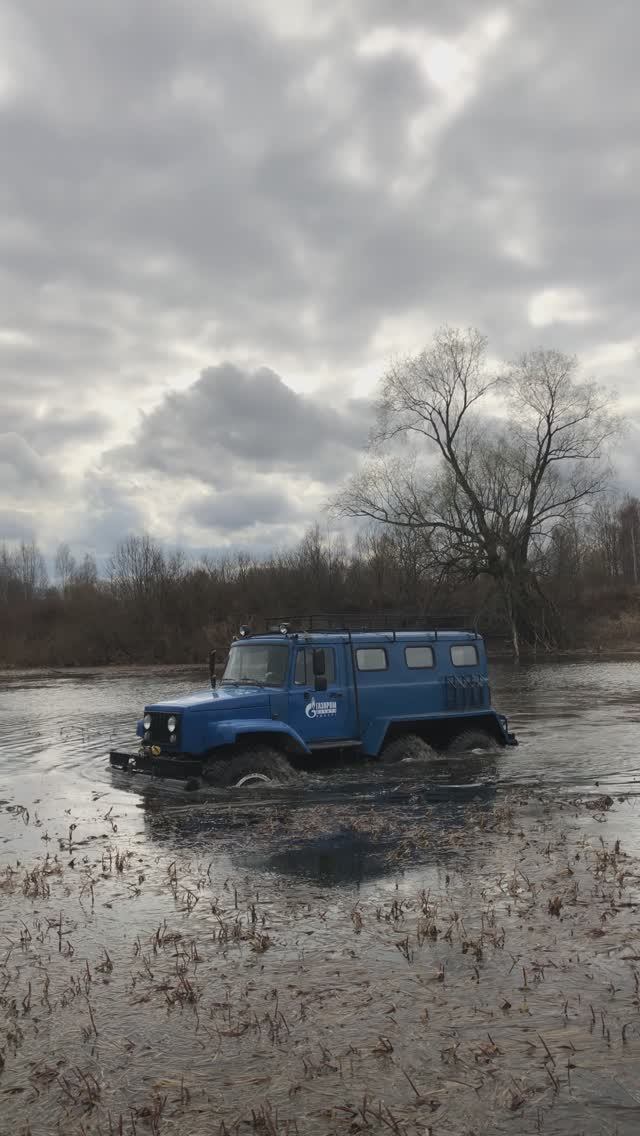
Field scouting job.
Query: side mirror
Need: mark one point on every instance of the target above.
(212, 669)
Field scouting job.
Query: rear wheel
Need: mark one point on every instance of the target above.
(250, 769)
(470, 740)
(408, 747)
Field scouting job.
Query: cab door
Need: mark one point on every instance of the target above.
(322, 715)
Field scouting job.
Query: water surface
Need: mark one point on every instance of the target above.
(577, 723)
(376, 949)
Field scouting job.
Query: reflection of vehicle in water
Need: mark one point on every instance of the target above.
(288, 696)
(320, 836)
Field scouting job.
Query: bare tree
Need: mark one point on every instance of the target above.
(173, 608)
(8, 574)
(629, 529)
(604, 534)
(31, 569)
(64, 566)
(137, 568)
(499, 461)
(85, 575)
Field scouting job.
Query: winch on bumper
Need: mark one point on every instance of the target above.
(160, 755)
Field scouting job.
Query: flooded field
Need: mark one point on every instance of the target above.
(375, 950)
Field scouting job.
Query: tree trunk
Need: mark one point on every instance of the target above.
(513, 623)
(531, 616)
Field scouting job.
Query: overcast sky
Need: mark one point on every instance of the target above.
(218, 222)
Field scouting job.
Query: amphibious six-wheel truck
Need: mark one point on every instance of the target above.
(286, 696)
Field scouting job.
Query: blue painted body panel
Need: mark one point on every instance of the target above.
(359, 705)
(225, 696)
(237, 729)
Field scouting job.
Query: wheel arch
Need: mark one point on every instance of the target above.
(437, 732)
(231, 736)
(284, 741)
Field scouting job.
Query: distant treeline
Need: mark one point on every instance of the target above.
(151, 606)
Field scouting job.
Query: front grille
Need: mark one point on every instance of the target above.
(160, 731)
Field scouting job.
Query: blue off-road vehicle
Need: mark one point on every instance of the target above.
(286, 696)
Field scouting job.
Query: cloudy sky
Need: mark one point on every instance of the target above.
(219, 221)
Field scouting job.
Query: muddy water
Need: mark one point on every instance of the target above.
(400, 949)
(578, 726)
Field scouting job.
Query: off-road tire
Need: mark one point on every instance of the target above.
(407, 747)
(251, 768)
(469, 740)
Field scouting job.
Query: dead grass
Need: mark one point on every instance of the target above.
(141, 994)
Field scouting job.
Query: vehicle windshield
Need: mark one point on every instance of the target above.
(259, 664)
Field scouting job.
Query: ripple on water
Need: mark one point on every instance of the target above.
(576, 722)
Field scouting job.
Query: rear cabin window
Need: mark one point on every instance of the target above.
(464, 655)
(419, 658)
(304, 675)
(371, 659)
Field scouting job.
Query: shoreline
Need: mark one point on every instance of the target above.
(573, 654)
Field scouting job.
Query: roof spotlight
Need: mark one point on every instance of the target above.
(284, 627)
(244, 631)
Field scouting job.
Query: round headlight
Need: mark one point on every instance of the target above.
(146, 721)
(171, 724)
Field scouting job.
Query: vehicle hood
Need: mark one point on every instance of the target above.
(223, 699)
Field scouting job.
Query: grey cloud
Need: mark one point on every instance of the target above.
(241, 510)
(551, 133)
(444, 16)
(233, 424)
(237, 186)
(191, 176)
(627, 464)
(110, 512)
(16, 525)
(55, 428)
(21, 468)
(198, 144)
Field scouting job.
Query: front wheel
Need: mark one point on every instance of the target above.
(251, 769)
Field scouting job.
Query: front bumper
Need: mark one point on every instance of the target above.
(510, 738)
(156, 765)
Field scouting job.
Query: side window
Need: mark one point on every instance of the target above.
(371, 659)
(303, 674)
(419, 658)
(300, 675)
(464, 655)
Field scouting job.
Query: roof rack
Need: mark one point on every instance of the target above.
(374, 621)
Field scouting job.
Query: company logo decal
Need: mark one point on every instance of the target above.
(315, 709)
